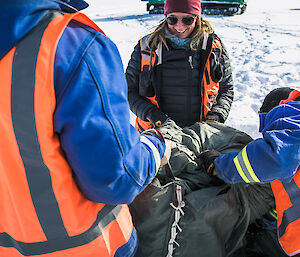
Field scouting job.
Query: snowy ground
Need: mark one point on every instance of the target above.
(263, 44)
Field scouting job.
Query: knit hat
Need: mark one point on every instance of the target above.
(186, 6)
(274, 97)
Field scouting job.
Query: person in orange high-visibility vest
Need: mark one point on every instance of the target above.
(274, 159)
(70, 160)
(180, 71)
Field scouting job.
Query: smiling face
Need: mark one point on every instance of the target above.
(181, 24)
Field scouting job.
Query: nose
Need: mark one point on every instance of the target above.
(180, 25)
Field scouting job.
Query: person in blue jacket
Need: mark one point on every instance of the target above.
(274, 156)
(111, 162)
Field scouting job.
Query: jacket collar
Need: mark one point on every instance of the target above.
(20, 16)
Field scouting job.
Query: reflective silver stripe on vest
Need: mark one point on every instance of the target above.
(146, 53)
(293, 213)
(107, 214)
(205, 39)
(23, 118)
(158, 52)
(37, 173)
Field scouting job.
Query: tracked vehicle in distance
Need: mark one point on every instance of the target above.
(209, 7)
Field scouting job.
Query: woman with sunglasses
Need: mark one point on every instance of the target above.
(181, 71)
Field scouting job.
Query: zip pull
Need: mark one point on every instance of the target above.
(191, 62)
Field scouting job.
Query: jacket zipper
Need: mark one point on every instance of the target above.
(189, 93)
(191, 62)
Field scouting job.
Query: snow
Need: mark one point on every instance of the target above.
(263, 45)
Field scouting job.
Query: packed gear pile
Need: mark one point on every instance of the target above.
(194, 212)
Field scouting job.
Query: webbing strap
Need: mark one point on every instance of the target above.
(204, 54)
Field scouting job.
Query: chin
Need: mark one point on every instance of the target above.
(182, 36)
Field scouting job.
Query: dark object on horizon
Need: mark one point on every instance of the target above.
(209, 7)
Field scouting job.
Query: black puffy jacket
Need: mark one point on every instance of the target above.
(177, 83)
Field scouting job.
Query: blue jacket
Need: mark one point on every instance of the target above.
(275, 156)
(112, 163)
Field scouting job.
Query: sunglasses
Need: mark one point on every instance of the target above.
(186, 20)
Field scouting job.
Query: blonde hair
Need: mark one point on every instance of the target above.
(159, 34)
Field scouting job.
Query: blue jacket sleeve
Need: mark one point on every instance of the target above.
(275, 156)
(111, 161)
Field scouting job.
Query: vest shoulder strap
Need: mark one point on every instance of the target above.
(205, 50)
(149, 56)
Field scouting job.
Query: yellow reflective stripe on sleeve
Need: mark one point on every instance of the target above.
(248, 165)
(239, 169)
(244, 168)
(154, 150)
(273, 213)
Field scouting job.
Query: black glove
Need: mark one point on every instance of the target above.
(208, 157)
(157, 117)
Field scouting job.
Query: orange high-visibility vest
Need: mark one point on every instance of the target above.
(209, 88)
(43, 212)
(287, 199)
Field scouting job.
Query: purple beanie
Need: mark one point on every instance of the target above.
(186, 6)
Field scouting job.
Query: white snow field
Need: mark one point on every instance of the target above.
(263, 45)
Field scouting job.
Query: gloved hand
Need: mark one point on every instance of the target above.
(157, 117)
(208, 157)
(169, 145)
